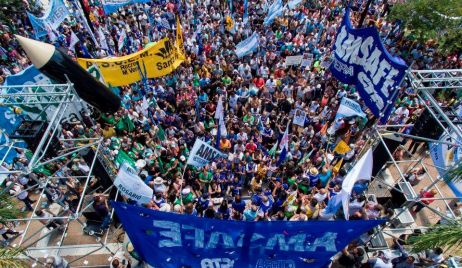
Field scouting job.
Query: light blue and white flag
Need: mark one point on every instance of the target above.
(202, 154)
(284, 146)
(111, 6)
(274, 11)
(73, 41)
(248, 45)
(122, 39)
(349, 108)
(165, 24)
(53, 17)
(245, 18)
(293, 3)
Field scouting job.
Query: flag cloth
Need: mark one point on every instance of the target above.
(179, 38)
(73, 41)
(245, 17)
(337, 166)
(284, 146)
(248, 45)
(274, 11)
(161, 133)
(306, 157)
(102, 39)
(123, 157)
(342, 147)
(219, 109)
(362, 170)
(122, 39)
(272, 151)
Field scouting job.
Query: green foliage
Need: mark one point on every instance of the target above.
(448, 237)
(9, 258)
(8, 209)
(454, 174)
(429, 19)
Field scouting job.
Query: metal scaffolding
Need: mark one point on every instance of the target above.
(54, 103)
(424, 83)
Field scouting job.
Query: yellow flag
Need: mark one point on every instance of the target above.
(179, 39)
(157, 60)
(342, 147)
(337, 166)
(229, 23)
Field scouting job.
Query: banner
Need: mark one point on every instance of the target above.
(293, 60)
(111, 6)
(179, 39)
(130, 185)
(299, 117)
(342, 147)
(171, 240)
(349, 107)
(32, 78)
(157, 60)
(53, 17)
(9, 121)
(445, 156)
(248, 45)
(202, 154)
(361, 59)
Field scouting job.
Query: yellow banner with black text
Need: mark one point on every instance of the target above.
(155, 61)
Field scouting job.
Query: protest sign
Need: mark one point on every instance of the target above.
(184, 240)
(157, 60)
(299, 117)
(361, 59)
(307, 60)
(293, 60)
(130, 185)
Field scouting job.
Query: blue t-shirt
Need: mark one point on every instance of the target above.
(239, 206)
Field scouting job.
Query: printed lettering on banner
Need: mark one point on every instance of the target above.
(158, 60)
(361, 59)
(202, 242)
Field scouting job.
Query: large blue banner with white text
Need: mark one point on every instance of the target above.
(55, 14)
(361, 59)
(111, 6)
(170, 240)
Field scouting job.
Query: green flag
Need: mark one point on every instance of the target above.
(306, 157)
(161, 133)
(272, 152)
(122, 157)
(129, 123)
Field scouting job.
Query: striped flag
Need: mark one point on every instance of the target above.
(122, 39)
(272, 151)
(305, 157)
(284, 146)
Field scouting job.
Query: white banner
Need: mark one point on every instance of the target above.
(202, 154)
(131, 185)
(349, 108)
(299, 117)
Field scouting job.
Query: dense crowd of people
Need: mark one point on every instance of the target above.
(260, 96)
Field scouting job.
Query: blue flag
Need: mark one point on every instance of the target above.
(284, 146)
(53, 17)
(172, 240)
(245, 18)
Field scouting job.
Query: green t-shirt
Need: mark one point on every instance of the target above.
(207, 177)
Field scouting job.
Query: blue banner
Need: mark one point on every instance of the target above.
(170, 240)
(55, 14)
(111, 6)
(9, 121)
(362, 60)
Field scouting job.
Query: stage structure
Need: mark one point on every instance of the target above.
(390, 182)
(58, 103)
(60, 99)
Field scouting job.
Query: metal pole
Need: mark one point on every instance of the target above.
(364, 13)
(419, 138)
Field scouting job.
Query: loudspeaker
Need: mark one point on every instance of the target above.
(427, 126)
(380, 154)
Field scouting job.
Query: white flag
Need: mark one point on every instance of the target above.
(222, 126)
(121, 40)
(202, 154)
(102, 39)
(220, 110)
(74, 40)
(362, 170)
(131, 185)
(144, 106)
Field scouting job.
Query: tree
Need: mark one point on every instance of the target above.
(9, 258)
(439, 20)
(447, 236)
